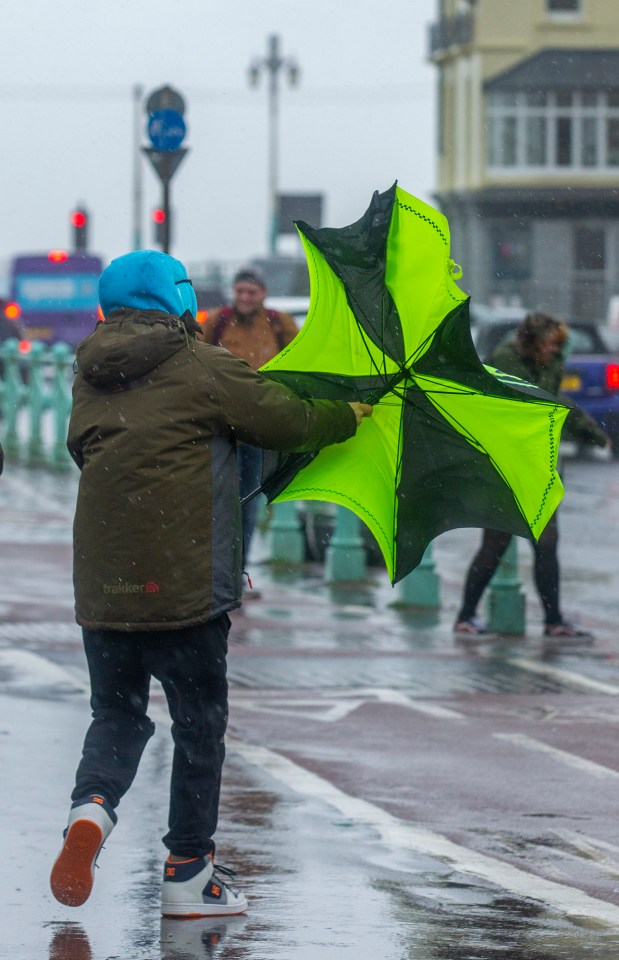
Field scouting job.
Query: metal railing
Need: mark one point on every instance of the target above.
(35, 402)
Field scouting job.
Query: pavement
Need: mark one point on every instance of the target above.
(332, 866)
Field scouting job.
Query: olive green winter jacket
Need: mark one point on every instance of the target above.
(157, 538)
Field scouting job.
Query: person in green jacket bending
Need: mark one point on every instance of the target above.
(157, 558)
(535, 355)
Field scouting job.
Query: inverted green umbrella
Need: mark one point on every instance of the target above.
(451, 443)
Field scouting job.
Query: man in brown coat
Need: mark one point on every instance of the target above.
(250, 331)
(157, 559)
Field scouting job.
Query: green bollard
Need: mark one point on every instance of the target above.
(505, 607)
(62, 358)
(287, 543)
(262, 514)
(345, 559)
(421, 588)
(13, 396)
(36, 406)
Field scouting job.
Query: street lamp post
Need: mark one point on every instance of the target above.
(138, 96)
(273, 64)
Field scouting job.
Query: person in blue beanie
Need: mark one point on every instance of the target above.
(157, 559)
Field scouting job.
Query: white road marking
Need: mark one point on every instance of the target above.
(564, 676)
(386, 695)
(324, 709)
(562, 756)
(26, 669)
(399, 833)
(591, 849)
(30, 497)
(329, 709)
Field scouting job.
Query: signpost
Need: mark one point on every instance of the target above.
(298, 206)
(166, 131)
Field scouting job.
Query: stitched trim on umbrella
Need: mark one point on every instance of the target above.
(435, 226)
(552, 481)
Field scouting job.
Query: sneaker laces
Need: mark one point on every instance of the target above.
(102, 847)
(225, 871)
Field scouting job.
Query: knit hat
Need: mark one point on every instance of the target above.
(250, 275)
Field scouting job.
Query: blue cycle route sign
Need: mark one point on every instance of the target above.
(166, 129)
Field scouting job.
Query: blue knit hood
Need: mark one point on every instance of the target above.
(146, 280)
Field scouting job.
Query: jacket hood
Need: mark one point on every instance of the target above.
(146, 280)
(128, 345)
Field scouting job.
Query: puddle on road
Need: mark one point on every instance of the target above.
(462, 922)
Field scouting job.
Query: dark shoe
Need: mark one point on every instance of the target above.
(472, 629)
(566, 631)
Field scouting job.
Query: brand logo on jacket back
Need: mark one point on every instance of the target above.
(149, 587)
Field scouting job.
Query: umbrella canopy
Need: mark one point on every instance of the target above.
(451, 443)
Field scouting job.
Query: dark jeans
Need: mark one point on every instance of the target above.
(486, 560)
(191, 667)
(249, 460)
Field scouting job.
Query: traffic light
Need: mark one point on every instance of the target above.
(79, 222)
(159, 221)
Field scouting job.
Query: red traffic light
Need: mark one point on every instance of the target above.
(79, 218)
(12, 311)
(158, 215)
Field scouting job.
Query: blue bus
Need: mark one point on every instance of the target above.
(55, 295)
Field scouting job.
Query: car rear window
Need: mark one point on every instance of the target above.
(585, 340)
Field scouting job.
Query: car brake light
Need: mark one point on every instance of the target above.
(100, 314)
(25, 346)
(612, 376)
(202, 316)
(58, 256)
(12, 311)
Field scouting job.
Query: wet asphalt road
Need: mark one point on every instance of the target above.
(387, 791)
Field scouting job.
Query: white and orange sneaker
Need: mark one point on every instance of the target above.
(192, 888)
(91, 820)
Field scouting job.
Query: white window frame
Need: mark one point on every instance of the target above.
(599, 111)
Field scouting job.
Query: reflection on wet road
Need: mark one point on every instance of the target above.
(322, 886)
(325, 875)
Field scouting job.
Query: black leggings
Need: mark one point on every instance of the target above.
(486, 560)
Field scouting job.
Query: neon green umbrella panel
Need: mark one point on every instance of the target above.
(341, 349)
(359, 474)
(419, 274)
(451, 443)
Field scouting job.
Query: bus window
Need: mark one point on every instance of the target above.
(57, 296)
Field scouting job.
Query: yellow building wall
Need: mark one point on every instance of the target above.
(505, 32)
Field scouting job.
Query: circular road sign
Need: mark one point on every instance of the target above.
(165, 98)
(166, 129)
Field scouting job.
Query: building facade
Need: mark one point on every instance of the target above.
(528, 149)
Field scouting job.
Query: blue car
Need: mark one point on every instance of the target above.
(591, 377)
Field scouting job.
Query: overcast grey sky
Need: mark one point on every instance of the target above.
(362, 116)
